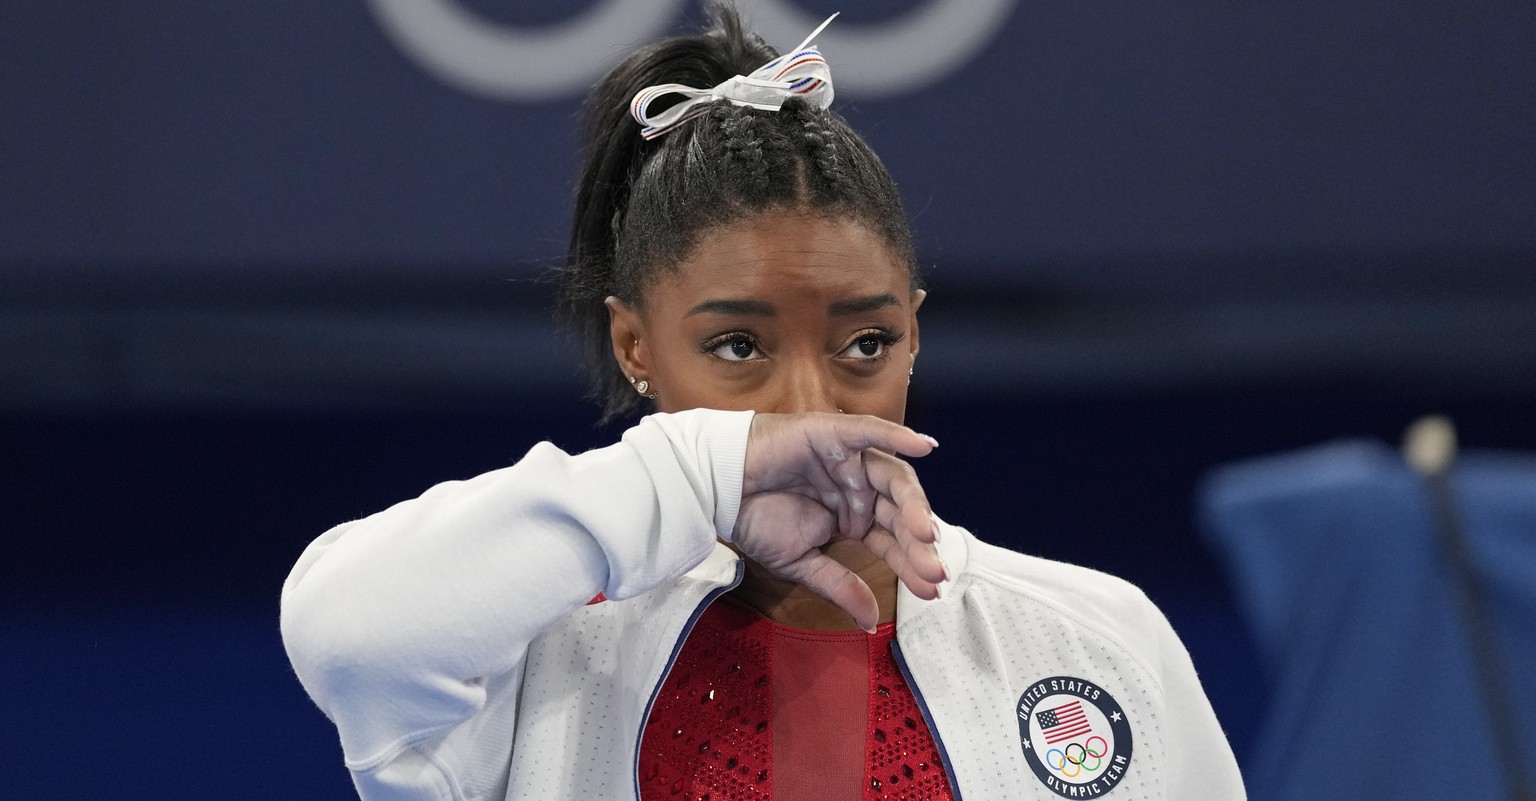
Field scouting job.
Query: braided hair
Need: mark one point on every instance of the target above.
(642, 205)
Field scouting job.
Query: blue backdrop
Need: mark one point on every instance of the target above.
(291, 134)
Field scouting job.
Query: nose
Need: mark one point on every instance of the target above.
(806, 385)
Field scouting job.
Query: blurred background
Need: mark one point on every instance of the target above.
(269, 267)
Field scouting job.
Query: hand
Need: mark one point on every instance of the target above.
(812, 478)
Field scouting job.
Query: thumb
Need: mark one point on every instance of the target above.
(839, 586)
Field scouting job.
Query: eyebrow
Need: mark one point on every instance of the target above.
(864, 305)
(762, 308)
(754, 308)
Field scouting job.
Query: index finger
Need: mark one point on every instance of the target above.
(863, 432)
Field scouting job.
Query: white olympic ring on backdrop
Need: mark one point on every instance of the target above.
(504, 62)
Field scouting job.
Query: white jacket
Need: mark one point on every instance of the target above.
(450, 640)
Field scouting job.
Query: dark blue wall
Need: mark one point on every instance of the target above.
(298, 134)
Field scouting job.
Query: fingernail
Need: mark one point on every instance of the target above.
(931, 440)
(944, 567)
(937, 530)
(937, 592)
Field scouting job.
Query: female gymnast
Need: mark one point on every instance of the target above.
(748, 596)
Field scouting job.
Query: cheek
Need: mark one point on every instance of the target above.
(883, 395)
(685, 379)
(688, 394)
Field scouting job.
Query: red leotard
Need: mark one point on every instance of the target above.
(753, 710)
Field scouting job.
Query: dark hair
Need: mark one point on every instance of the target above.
(641, 205)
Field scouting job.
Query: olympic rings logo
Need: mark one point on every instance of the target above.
(502, 62)
(1071, 765)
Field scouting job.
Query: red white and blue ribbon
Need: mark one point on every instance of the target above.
(801, 72)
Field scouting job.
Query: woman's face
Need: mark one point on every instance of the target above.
(776, 313)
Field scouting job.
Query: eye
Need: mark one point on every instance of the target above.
(736, 347)
(871, 345)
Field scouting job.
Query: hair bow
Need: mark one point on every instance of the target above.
(801, 72)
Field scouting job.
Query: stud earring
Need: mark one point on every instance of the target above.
(642, 386)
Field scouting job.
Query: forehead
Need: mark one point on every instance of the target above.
(786, 255)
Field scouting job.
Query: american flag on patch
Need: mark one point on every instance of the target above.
(1064, 722)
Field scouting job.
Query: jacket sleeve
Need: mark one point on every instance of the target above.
(404, 625)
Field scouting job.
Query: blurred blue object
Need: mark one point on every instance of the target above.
(1346, 584)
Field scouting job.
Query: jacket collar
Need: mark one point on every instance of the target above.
(718, 568)
(954, 548)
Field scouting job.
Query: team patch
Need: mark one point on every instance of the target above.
(1075, 736)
